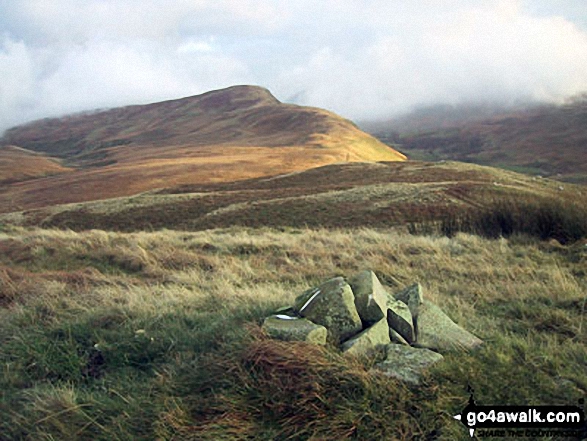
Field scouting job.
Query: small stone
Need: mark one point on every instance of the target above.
(331, 305)
(367, 342)
(407, 364)
(288, 328)
(437, 331)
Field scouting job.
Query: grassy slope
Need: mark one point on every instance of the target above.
(18, 164)
(115, 336)
(232, 134)
(341, 195)
(546, 140)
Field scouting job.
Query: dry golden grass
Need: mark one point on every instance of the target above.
(175, 167)
(224, 136)
(243, 265)
(338, 195)
(112, 336)
(18, 164)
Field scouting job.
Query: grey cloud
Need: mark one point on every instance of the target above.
(362, 59)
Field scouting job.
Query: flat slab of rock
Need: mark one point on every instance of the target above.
(399, 319)
(367, 342)
(437, 331)
(288, 328)
(331, 305)
(407, 364)
(370, 297)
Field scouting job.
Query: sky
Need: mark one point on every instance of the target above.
(364, 59)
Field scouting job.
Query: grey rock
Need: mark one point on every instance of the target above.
(288, 328)
(367, 342)
(394, 337)
(399, 319)
(413, 296)
(437, 331)
(331, 305)
(287, 310)
(407, 364)
(370, 296)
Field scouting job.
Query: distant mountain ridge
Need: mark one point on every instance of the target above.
(240, 132)
(547, 140)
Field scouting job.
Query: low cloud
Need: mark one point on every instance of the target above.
(367, 59)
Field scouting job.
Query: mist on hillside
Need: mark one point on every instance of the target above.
(363, 60)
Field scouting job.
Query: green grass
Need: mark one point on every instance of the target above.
(120, 336)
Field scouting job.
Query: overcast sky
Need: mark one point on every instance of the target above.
(360, 58)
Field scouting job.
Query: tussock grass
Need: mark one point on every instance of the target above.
(155, 335)
(561, 220)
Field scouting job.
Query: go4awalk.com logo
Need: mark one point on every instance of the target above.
(533, 421)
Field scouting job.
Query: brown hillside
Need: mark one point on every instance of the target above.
(237, 133)
(544, 140)
(17, 164)
(338, 195)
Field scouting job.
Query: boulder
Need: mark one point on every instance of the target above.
(285, 327)
(437, 331)
(406, 363)
(367, 342)
(399, 319)
(370, 297)
(331, 305)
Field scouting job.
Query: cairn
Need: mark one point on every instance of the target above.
(360, 317)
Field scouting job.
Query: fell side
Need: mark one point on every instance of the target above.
(547, 140)
(17, 164)
(227, 135)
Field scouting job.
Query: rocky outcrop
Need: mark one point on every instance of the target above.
(362, 319)
(396, 338)
(413, 296)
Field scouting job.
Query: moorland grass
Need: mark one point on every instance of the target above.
(544, 219)
(114, 336)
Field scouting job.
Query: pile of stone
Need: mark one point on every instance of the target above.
(360, 317)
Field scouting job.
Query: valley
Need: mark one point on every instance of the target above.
(545, 140)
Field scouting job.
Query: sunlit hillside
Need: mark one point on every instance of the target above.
(333, 196)
(17, 164)
(237, 133)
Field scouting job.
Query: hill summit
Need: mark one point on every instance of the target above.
(225, 135)
(236, 116)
